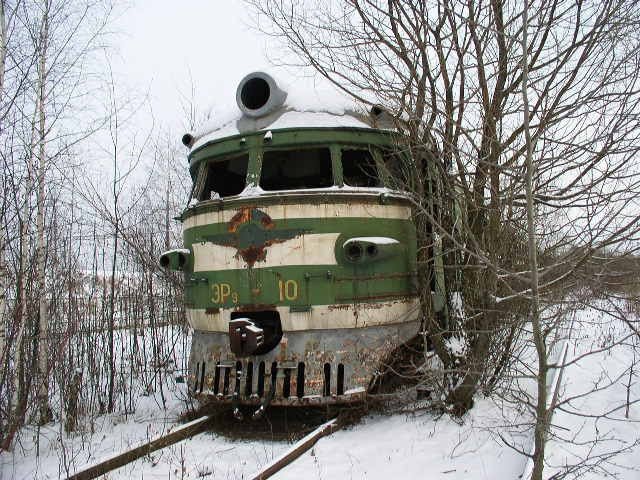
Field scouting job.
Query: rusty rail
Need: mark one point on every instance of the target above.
(185, 431)
(296, 450)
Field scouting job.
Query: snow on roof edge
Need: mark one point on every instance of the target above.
(280, 120)
(309, 103)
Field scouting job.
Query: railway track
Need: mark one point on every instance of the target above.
(194, 428)
(185, 431)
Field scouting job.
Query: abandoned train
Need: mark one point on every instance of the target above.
(299, 260)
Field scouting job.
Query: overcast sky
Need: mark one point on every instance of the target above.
(162, 43)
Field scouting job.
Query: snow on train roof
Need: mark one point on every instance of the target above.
(308, 104)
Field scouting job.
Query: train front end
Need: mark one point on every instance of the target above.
(299, 261)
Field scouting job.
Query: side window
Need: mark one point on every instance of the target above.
(359, 169)
(296, 169)
(224, 177)
(396, 170)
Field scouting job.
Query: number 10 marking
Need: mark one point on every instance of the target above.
(288, 290)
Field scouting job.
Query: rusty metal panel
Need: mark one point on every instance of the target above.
(360, 351)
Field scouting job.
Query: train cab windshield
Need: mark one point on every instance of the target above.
(296, 169)
(288, 169)
(224, 178)
(359, 168)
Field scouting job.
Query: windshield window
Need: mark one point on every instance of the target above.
(397, 170)
(359, 169)
(296, 169)
(225, 178)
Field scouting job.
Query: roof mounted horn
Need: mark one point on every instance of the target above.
(258, 94)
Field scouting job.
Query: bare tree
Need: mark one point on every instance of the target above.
(125, 151)
(88, 309)
(454, 75)
(541, 426)
(43, 320)
(46, 49)
(3, 268)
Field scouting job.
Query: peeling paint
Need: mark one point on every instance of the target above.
(360, 356)
(338, 321)
(251, 232)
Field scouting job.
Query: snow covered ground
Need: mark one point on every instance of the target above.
(414, 446)
(592, 436)
(407, 445)
(381, 445)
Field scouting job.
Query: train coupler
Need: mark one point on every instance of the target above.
(245, 337)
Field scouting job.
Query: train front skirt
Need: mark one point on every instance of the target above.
(311, 367)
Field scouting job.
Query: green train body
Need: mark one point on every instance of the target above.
(299, 263)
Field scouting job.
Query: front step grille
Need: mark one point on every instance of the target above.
(249, 380)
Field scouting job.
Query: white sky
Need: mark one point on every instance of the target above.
(162, 44)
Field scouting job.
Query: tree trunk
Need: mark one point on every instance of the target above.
(167, 209)
(3, 267)
(112, 290)
(20, 386)
(541, 422)
(43, 331)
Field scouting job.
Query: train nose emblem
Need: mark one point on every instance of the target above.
(251, 231)
(245, 337)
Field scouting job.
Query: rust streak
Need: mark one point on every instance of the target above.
(381, 276)
(243, 216)
(345, 306)
(266, 222)
(255, 308)
(401, 297)
(252, 254)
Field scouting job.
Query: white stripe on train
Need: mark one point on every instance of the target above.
(306, 249)
(320, 317)
(307, 210)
